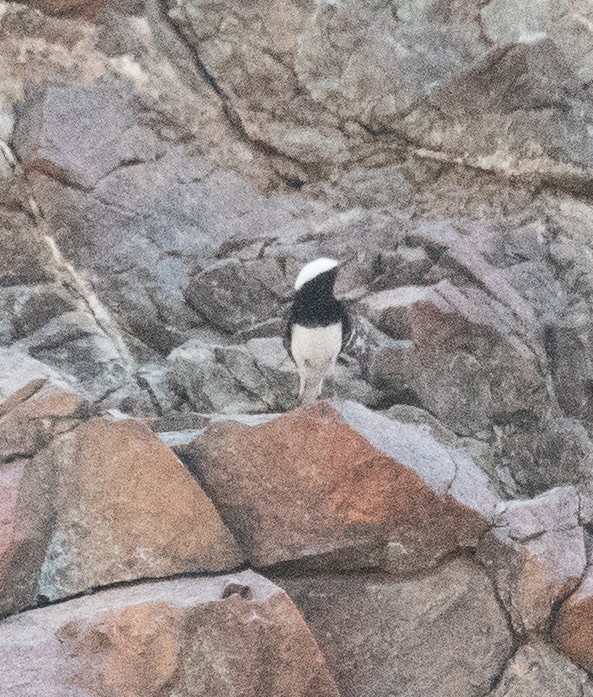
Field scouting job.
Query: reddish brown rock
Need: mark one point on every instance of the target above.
(210, 637)
(341, 482)
(105, 503)
(127, 508)
(573, 631)
(536, 555)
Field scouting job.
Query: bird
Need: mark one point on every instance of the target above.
(318, 326)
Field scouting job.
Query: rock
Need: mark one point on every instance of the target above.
(213, 294)
(384, 637)
(548, 452)
(69, 7)
(117, 506)
(25, 257)
(406, 266)
(17, 370)
(32, 416)
(293, 70)
(333, 484)
(543, 135)
(24, 533)
(209, 385)
(274, 363)
(76, 154)
(225, 635)
(536, 556)
(573, 631)
(538, 671)
(75, 342)
(36, 305)
(454, 368)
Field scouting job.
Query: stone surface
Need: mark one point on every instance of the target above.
(34, 415)
(460, 345)
(339, 484)
(383, 637)
(108, 502)
(536, 555)
(537, 670)
(573, 629)
(189, 638)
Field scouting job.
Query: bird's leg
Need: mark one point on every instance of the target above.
(302, 382)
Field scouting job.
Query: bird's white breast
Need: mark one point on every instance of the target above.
(316, 346)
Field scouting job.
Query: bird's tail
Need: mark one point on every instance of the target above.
(311, 385)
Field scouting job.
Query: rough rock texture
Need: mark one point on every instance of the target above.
(104, 503)
(536, 555)
(188, 638)
(166, 168)
(385, 637)
(536, 670)
(573, 631)
(340, 482)
(159, 157)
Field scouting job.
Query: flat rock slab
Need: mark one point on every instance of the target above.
(442, 635)
(341, 485)
(105, 503)
(227, 635)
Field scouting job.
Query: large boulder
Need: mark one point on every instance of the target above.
(104, 503)
(317, 83)
(186, 638)
(443, 634)
(337, 483)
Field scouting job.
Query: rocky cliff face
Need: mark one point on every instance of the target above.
(165, 169)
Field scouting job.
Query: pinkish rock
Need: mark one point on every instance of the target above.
(443, 634)
(466, 362)
(339, 484)
(209, 637)
(34, 414)
(105, 503)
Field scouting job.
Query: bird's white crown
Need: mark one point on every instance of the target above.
(314, 268)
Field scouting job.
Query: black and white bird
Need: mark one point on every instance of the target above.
(318, 326)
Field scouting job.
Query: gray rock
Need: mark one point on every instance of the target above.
(536, 556)
(548, 452)
(17, 369)
(383, 637)
(231, 296)
(208, 384)
(242, 612)
(536, 670)
(61, 131)
(25, 257)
